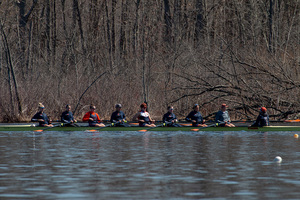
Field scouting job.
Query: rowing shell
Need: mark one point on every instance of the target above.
(136, 128)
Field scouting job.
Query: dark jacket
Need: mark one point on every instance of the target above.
(117, 116)
(262, 120)
(42, 116)
(169, 117)
(67, 117)
(194, 115)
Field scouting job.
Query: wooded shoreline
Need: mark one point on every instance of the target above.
(166, 52)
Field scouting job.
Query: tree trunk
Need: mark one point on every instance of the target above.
(78, 17)
(113, 34)
(199, 21)
(23, 19)
(11, 70)
(135, 28)
(122, 29)
(271, 25)
(168, 22)
(54, 34)
(48, 32)
(108, 37)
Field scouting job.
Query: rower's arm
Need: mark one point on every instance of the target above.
(151, 120)
(36, 118)
(188, 118)
(112, 118)
(86, 117)
(218, 118)
(62, 119)
(164, 118)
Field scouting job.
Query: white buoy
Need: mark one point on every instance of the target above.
(278, 159)
(32, 125)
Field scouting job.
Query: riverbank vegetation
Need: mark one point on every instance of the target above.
(244, 53)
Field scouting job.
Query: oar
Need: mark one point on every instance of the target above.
(160, 125)
(55, 125)
(71, 124)
(212, 125)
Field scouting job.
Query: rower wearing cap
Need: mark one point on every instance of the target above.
(92, 117)
(118, 117)
(41, 117)
(67, 117)
(143, 117)
(262, 119)
(195, 117)
(170, 118)
(222, 117)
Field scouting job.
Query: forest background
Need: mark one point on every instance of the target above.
(244, 53)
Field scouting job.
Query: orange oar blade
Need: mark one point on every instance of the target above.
(293, 120)
(93, 130)
(136, 124)
(186, 124)
(195, 129)
(38, 130)
(143, 130)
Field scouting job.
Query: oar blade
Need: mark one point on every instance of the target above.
(92, 131)
(40, 130)
(144, 130)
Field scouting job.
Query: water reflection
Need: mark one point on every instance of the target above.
(150, 165)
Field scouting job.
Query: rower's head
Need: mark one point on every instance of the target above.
(68, 107)
(92, 107)
(196, 107)
(143, 106)
(118, 107)
(170, 109)
(263, 109)
(41, 107)
(224, 107)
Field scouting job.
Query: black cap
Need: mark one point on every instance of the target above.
(118, 105)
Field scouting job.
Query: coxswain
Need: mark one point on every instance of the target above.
(170, 118)
(118, 117)
(222, 117)
(262, 119)
(92, 117)
(41, 117)
(195, 117)
(143, 117)
(67, 117)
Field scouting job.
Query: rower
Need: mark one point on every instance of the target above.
(195, 117)
(118, 117)
(92, 117)
(143, 117)
(41, 117)
(262, 119)
(222, 117)
(170, 118)
(67, 117)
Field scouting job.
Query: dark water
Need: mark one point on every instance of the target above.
(151, 165)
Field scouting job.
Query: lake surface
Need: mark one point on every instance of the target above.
(150, 165)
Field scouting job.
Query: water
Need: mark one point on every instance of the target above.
(150, 165)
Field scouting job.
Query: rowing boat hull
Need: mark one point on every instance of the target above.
(93, 129)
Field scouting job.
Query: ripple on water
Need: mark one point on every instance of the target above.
(154, 165)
